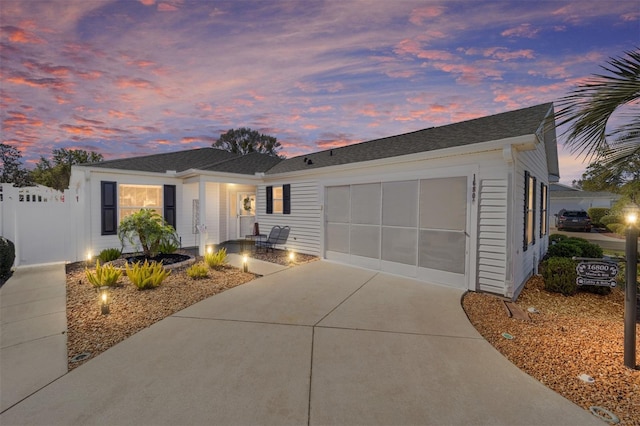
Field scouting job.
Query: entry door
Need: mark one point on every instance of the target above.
(246, 213)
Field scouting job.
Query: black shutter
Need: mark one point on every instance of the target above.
(170, 205)
(269, 199)
(533, 215)
(286, 199)
(109, 207)
(525, 244)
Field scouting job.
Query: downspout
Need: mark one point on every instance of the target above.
(508, 156)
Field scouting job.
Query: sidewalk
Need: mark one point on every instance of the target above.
(33, 325)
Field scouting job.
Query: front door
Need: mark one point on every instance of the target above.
(246, 213)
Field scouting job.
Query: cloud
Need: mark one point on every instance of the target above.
(196, 139)
(420, 15)
(19, 35)
(521, 31)
(501, 53)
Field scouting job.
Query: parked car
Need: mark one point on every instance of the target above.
(573, 219)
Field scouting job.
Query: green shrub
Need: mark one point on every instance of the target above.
(216, 260)
(7, 256)
(167, 247)
(617, 228)
(147, 275)
(107, 255)
(560, 275)
(149, 228)
(588, 249)
(197, 271)
(610, 218)
(104, 276)
(596, 214)
(564, 249)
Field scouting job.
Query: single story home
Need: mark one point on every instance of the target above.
(462, 205)
(563, 197)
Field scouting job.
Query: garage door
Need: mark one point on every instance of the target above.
(415, 228)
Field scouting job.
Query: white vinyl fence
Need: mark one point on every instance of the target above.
(44, 224)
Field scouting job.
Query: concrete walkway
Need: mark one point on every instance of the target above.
(316, 344)
(33, 325)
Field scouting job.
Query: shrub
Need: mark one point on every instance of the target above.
(596, 214)
(147, 275)
(197, 271)
(564, 249)
(610, 218)
(216, 260)
(617, 228)
(556, 238)
(559, 275)
(167, 246)
(588, 249)
(104, 276)
(107, 255)
(7, 256)
(149, 228)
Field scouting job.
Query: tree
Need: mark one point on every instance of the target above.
(589, 108)
(244, 141)
(602, 176)
(11, 168)
(55, 173)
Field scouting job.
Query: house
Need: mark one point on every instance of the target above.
(462, 205)
(563, 197)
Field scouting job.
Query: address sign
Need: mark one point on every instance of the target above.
(597, 273)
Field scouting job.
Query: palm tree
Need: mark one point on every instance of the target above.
(589, 107)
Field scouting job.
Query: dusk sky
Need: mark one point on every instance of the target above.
(136, 77)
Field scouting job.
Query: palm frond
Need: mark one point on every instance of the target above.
(589, 107)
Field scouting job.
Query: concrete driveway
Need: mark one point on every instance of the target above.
(316, 344)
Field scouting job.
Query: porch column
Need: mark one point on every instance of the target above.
(202, 227)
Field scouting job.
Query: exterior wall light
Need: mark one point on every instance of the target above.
(631, 286)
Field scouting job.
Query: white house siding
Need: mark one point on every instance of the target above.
(305, 219)
(492, 238)
(525, 263)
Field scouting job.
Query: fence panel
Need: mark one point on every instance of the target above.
(43, 223)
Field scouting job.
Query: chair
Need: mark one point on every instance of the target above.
(278, 235)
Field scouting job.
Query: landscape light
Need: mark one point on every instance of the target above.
(104, 302)
(292, 256)
(209, 250)
(245, 263)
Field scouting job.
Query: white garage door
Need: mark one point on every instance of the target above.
(415, 228)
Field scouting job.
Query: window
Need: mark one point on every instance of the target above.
(132, 198)
(108, 208)
(529, 210)
(279, 199)
(543, 209)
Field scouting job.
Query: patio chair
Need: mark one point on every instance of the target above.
(278, 235)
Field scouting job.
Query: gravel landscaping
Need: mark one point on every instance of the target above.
(566, 338)
(131, 310)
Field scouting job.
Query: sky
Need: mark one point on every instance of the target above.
(138, 77)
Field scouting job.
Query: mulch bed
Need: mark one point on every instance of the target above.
(566, 338)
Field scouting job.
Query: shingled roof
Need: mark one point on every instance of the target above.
(521, 122)
(500, 126)
(210, 159)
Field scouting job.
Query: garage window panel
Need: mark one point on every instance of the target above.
(442, 250)
(365, 241)
(400, 203)
(365, 204)
(400, 245)
(338, 204)
(443, 203)
(338, 237)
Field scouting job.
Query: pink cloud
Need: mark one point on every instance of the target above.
(147, 2)
(418, 16)
(310, 127)
(523, 30)
(18, 35)
(195, 139)
(169, 6)
(323, 108)
(137, 83)
(631, 16)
